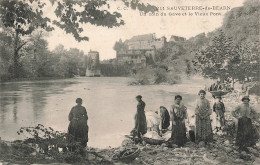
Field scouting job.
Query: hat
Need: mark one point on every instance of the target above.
(245, 98)
(139, 96)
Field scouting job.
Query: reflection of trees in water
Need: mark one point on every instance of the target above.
(39, 100)
(40, 93)
(13, 93)
(15, 108)
(3, 109)
(9, 102)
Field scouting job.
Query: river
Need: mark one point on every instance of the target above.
(110, 104)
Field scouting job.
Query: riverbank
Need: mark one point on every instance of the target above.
(221, 151)
(35, 79)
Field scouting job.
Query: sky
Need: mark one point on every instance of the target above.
(102, 39)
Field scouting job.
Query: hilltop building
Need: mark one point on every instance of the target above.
(93, 64)
(138, 48)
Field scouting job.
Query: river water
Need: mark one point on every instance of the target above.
(110, 104)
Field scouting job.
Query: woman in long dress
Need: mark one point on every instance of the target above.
(178, 114)
(78, 128)
(203, 122)
(140, 118)
(247, 134)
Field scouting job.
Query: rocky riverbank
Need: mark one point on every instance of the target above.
(221, 151)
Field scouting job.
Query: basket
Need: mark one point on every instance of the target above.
(219, 93)
(153, 141)
(130, 157)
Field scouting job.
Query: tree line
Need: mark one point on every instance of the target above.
(36, 61)
(19, 19)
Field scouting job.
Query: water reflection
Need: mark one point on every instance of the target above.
(23, 104)
(15, 109)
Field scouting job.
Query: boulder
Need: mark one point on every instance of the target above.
(201, 144)
(165, 148)
(228, 149)
(221, 160)
(227, 142)
(239, 160)
(163, 145)
(235, 152)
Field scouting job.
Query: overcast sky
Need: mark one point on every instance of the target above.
(102, 39)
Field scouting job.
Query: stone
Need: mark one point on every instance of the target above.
(239, 160)
(236, 147)
(228, 149)
(221, 160)
(144, 143)
(163, 145)
(235, 152)
(148, 145)
(244, 153)
(201, 144)
(165, 148)
(150, 161)
(33, 153)
(227, 142)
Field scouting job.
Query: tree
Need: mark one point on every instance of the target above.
(23, 17)
(228, 62)
(214, 59)
(5, 58)
(120, 46)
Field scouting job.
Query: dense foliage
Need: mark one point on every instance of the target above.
(37, 62)
(233, 51)
(19, 19)
(115, 70)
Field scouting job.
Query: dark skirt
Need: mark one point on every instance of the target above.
(165, 120)
(78, 131)
(179, 133)
(247, 134)
(203, 129)
(140, 124)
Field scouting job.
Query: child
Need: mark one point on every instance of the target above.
(219, 109)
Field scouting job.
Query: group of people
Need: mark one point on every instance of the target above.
(246, 133)
(245, 114)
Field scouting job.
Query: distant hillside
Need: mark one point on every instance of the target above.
(242, 23)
